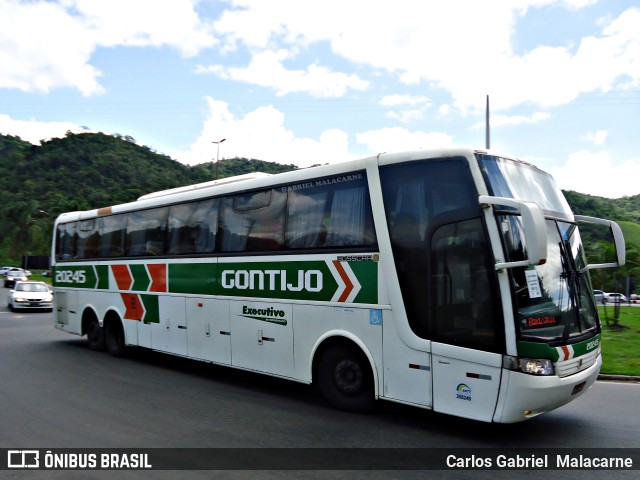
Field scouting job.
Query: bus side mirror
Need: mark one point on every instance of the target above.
(533, 226)
(618, 241)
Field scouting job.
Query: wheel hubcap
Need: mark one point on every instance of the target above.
(348, 377)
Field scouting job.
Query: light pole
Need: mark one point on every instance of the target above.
(218, 154)
(30, 223)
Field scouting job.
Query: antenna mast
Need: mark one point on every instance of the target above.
(487, 140)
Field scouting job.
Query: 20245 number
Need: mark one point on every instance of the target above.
(70, 276)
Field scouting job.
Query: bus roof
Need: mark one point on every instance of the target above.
(258, 180)
(210, 183)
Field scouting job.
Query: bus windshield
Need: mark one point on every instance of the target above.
(519, 180)
(553, 301)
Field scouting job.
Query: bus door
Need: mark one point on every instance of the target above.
(465, 321)
(465, 381)
(446, 274)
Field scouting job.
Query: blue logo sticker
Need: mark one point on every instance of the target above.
(463, 392)
(375, 317)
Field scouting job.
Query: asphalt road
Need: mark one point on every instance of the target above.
(56, 393)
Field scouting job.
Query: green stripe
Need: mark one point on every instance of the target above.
(151, 308)
(196, 278)
(542, 350)
(587, 346)
(367, 273)
(103, 276)
(537, 350)
(301, 280)
(293, 280)
(141, 280)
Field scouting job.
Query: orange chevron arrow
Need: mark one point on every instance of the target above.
(348, 286)
(123, 276)
(133, 304)
(158, 274)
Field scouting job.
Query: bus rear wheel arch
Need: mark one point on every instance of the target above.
(344, 377)
(114, 335)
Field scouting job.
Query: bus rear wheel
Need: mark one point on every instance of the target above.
(114, 336)
(345, 379)
(95, 336)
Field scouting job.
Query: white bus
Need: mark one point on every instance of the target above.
(453, 280)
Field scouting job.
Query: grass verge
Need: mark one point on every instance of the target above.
(621, 342)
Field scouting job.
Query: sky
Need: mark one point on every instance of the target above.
(305, 82)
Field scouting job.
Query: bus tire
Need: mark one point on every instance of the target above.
(114, 337)
(95, 336)
(345, 379)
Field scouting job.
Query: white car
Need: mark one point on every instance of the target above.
(30, 295)
(16, 269)
(13, 276)
(4, 270)
(615, 298)
(599, 295)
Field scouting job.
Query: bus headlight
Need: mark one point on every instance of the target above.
(536, 366)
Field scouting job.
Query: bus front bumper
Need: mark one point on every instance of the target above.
(525, 396)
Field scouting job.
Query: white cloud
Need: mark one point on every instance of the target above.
(410, 44)
(417, 44)
(42, 47)
(266, 69)
(550, 76)
(406, 116)
(400, 139)
(597, 138)
(444, 110)
(143, 23)
(46, 45)
(578, 4)
(33, 131)
(498, 121)
(261, 134)
(395, 100)
(596, 173)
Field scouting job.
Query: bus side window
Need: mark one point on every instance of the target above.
(87, 239)
(253, 222)
(112, 233)
(405, 229)
(330, 212)
(192, 227)
(146, 232)
(305, 219)
(349, 223)
(66, 241)
(420, 198)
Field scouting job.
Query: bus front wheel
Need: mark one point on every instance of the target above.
(114, 336)
(345, 379)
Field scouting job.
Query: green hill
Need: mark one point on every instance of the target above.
(631, 232)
